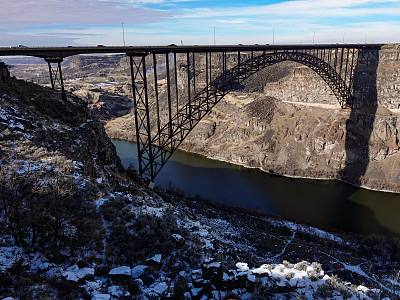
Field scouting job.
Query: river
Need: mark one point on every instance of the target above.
(321, 203)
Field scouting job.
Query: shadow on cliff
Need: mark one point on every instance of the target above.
(359, 128)
(359, 125)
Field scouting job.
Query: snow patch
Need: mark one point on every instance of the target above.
(213, 265)
(73, 273)
(160, 287)
(101, 297)
(158, 212)
(177, 237)
(242, 267)
(116, 291)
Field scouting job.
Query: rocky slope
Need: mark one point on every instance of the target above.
(74, 225)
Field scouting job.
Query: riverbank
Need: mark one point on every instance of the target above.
(296, 176)
(295, 140)
(222, 182)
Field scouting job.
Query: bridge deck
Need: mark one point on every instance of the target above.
(62, 52)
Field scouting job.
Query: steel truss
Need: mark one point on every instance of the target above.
(56, 77)
(156, 142)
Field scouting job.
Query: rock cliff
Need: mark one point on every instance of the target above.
(4, 73)
(302, 140)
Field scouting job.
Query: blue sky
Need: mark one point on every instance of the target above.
(162, 22)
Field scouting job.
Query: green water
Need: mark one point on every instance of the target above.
(321, 203)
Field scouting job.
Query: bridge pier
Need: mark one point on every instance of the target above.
(56, 74)
(141, 111)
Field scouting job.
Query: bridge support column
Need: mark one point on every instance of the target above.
(56, 75)
(147, 163)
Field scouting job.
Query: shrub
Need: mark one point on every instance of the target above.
(301, 266)
(289, 275)
(313, 275)
(287, 264)
(44, 210)
(324, 291)
(333, 284)
(317, 267)
(147, 235)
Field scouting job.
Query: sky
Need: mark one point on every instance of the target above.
(192, 22)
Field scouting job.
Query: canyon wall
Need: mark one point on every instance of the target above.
(4, 73)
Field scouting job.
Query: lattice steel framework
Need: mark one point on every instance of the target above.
(56, 78)
(210, 76)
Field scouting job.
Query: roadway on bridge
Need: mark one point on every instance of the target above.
(62, 52)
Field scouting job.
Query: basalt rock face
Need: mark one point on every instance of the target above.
(304, 141)
(4, 73)
(378, 72)
(92, 64)
(388, 77)
(300, 85)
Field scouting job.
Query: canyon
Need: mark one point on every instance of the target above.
(283, 120)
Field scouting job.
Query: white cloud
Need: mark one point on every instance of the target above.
(151, 2)
(234, 21)
(303, 8)
(45, 12)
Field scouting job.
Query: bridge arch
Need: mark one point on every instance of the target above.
(324, 69)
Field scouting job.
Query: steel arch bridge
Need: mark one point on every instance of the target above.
(156, 142)
(174, 87)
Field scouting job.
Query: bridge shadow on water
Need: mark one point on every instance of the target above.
(359, 127)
